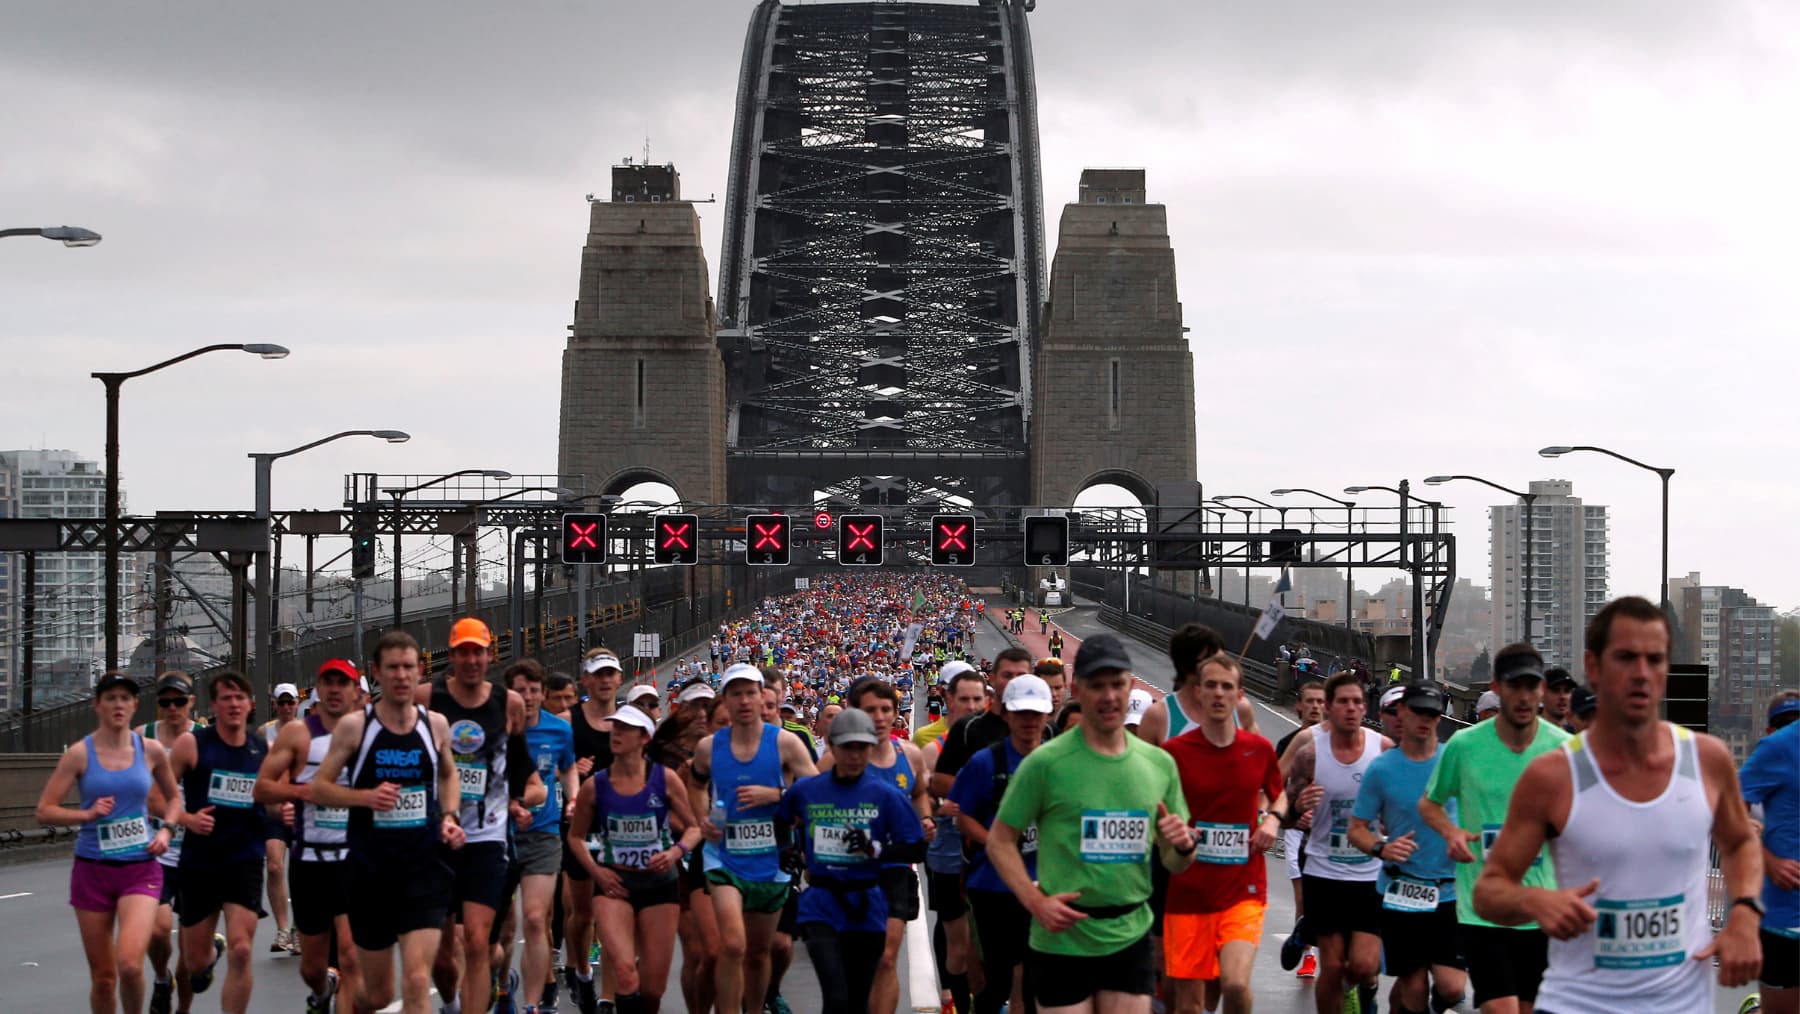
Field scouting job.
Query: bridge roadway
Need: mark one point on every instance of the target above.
(41, 962)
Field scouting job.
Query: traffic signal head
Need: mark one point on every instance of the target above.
(768, 540)
(362, 553)
(860, 540)
(953, 540)
(1046, 542)
(584, 538)
(677, 538)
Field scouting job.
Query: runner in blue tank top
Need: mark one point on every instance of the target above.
(748, 764)
(622, 834)
(116, 879)
(901, 764)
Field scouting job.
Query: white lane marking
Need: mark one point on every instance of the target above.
(9, 897)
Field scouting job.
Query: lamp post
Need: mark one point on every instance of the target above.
(469, 591)
(1665, 474)
(400, 521)
(1420, 653)
(113, 382)
(1349, 527)
(1530, 500)
(1247, 513)
(270, 614)
(70, 235)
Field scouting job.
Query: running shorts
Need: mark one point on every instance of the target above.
(391, 899)
(759, 897)
(538, 853)
(1340, 906)
(900, 886)
(1414, 940)
(1192, 940)
(478, 874)
(319, 892)
(1063, 980)
(205, 893)
(946, 895)
(1503, 962)
(1781, 961)
(96, 885)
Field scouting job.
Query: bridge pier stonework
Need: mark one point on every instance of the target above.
(1114, 377)
(643, 384)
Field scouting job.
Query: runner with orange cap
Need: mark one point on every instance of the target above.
(494, 766)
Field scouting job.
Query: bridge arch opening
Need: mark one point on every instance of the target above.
(1114, 501)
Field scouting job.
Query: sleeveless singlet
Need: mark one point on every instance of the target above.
(171, 857)
(122, 835)
(1651, 860)
(748, 850)
(1329, 854)
(1179, 722)
(900, 775)
(407, 833)
(478, 748)
(628, 830)
(590, 741)
(224, 778)
(320, 832)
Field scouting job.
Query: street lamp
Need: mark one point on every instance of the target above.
(71, 235)
(113, 382)
(1247, 513)
(1420, 658)
(1349, 527)
(400, 521)
(1530, 500)
(269, 614)
(1665, 474)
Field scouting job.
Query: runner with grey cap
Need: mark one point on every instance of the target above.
(1487, 705)
(748, 765)
(851, 823)
(1478, 768)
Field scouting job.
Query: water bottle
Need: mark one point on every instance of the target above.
(717, 814)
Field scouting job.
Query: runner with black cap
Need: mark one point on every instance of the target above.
(175, 718)
(222, 855)
(494, 763)
(1478, 767)
(1559, 686)
(591, 723)
(1771, 780)
(1418, 880)
(1100, 799)
(1582, 705)
(116, 881)
(850, 823)
(319, 874)
(748, 765)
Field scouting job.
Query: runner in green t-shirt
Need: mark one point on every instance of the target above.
(1099, 798)
(1478, 768)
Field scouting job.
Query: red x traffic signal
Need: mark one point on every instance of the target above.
(584, 538)
(768, 540)
(677, 539)
(860, 540)
(953, 540)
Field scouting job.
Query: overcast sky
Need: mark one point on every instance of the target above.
(1412, 238)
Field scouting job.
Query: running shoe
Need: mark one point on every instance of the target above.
(1752, 1004)
(779, 1005)
(279, 944)
(293, 941)
(1293, 947)
(161, 997)
(507, 1002)
(587, 998)
(1309, 967)
(322, 1004)
(201, 981)
(551, 988)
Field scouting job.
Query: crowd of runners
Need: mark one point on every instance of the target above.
(1084, 846)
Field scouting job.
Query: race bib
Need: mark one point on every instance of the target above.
(177, 834)
(1114, 836)
(1224, 844)
(331, 818)
(633, 840)
(750, 837)
(1339, 849)
(471, 775)
(122, 835)
(1028, 840)
(1641, 933)
(1490, 833)
(409, 812)
(231, 789)
(829, 847)
(1405, 894)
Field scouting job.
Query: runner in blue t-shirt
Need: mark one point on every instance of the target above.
(1417, 881)
(1771, 777)
(850, 824)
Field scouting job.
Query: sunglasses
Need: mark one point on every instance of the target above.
(170, 702)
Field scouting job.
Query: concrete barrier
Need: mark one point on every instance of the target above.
(22, 778)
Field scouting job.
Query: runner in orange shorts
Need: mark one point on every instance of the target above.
(1214, 916)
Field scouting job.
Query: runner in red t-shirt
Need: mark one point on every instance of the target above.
(1214, 915)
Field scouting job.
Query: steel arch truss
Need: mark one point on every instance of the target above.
(880, 283)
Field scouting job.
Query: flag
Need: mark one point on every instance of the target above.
(918, 601)
(1284, 585)
(1272, 613)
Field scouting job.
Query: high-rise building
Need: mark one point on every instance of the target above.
(1739, 640)
(69, 632)
(1568, 570)
(9, 569)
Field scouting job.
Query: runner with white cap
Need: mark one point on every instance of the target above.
(624, 837)
(280, 828)
(1487, 705)
(1136, 707)
(1390, 711)
(643, 696)
(934, 730)
(952, 941)
(748, 764)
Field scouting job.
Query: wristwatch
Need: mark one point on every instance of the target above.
(1751, 902)
(1380, 843)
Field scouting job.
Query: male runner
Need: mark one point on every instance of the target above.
(1771, 779)
(1232, 783)
(591, 722)
(222, 856)
(1099, 798)
(175, 717)
(1581, 710)
(749, 764)
(979, 730)
(958, 971)
(934, 730)
(1324, 769)
(900, 763)
(1418, 881)
(319, 873)
(1629, 809)
(279, 834)
(1559, 687)
(1478, 768)
(1309, 708)
(402, 794)
(494, 767)
(538, 843)
(781, 943)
